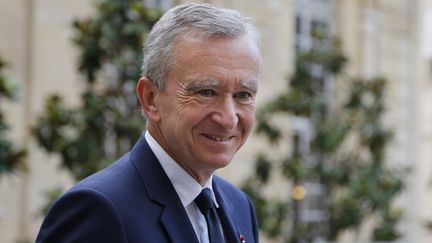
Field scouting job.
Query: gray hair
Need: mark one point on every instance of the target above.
(202, 21)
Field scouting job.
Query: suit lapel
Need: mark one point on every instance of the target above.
(225, 212)
(173, 218)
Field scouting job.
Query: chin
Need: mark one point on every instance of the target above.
(218, 164)
(215, 160)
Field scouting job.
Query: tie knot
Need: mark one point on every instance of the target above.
(204, 200)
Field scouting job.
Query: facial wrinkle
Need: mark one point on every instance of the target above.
(184, 97)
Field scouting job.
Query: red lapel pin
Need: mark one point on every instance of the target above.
(242, 239)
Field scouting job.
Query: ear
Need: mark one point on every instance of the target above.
(147, 95)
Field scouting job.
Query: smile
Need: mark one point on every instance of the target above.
(218, 139)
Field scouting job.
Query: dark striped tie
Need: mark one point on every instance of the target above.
(205, 203)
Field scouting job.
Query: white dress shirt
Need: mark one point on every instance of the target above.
(186, 187)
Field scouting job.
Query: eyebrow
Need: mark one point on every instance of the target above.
(203, 84)
(213, 84)
(250, 85)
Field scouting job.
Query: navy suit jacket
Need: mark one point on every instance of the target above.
(134, 201)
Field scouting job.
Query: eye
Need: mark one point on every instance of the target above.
(206, 92)
(243, 95)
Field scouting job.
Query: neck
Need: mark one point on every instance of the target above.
(200, 176)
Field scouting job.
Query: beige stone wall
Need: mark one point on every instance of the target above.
(383, 38)
(380, 37)
(425, 101)
(35, 39)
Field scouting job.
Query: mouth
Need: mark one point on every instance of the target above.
(217, 138)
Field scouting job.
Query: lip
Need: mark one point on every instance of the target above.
(217, 138)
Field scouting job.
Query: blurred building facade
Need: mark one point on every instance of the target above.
(380, 37)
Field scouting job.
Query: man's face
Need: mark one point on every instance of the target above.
(207, 108)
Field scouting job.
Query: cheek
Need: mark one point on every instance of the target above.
(166, 105)
(191, 116)
(248, 119)
(197, 114)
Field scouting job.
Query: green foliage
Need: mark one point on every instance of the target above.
(385, 229)
(108, 120)
(50, 195)
(271, 213)
(345, 154)
(11, 158)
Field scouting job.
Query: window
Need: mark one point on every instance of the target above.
(313, 28)
(298, 25)
(319, 29)
(162, 4)
(313, 21)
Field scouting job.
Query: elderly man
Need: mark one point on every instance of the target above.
(197, 91)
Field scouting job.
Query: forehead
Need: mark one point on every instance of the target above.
(216, 58)
(190, 44)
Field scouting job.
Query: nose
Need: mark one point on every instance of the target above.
(225, 113)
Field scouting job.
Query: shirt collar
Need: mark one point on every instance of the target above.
(185, 185)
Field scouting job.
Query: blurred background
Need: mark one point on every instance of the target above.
(342, 148)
